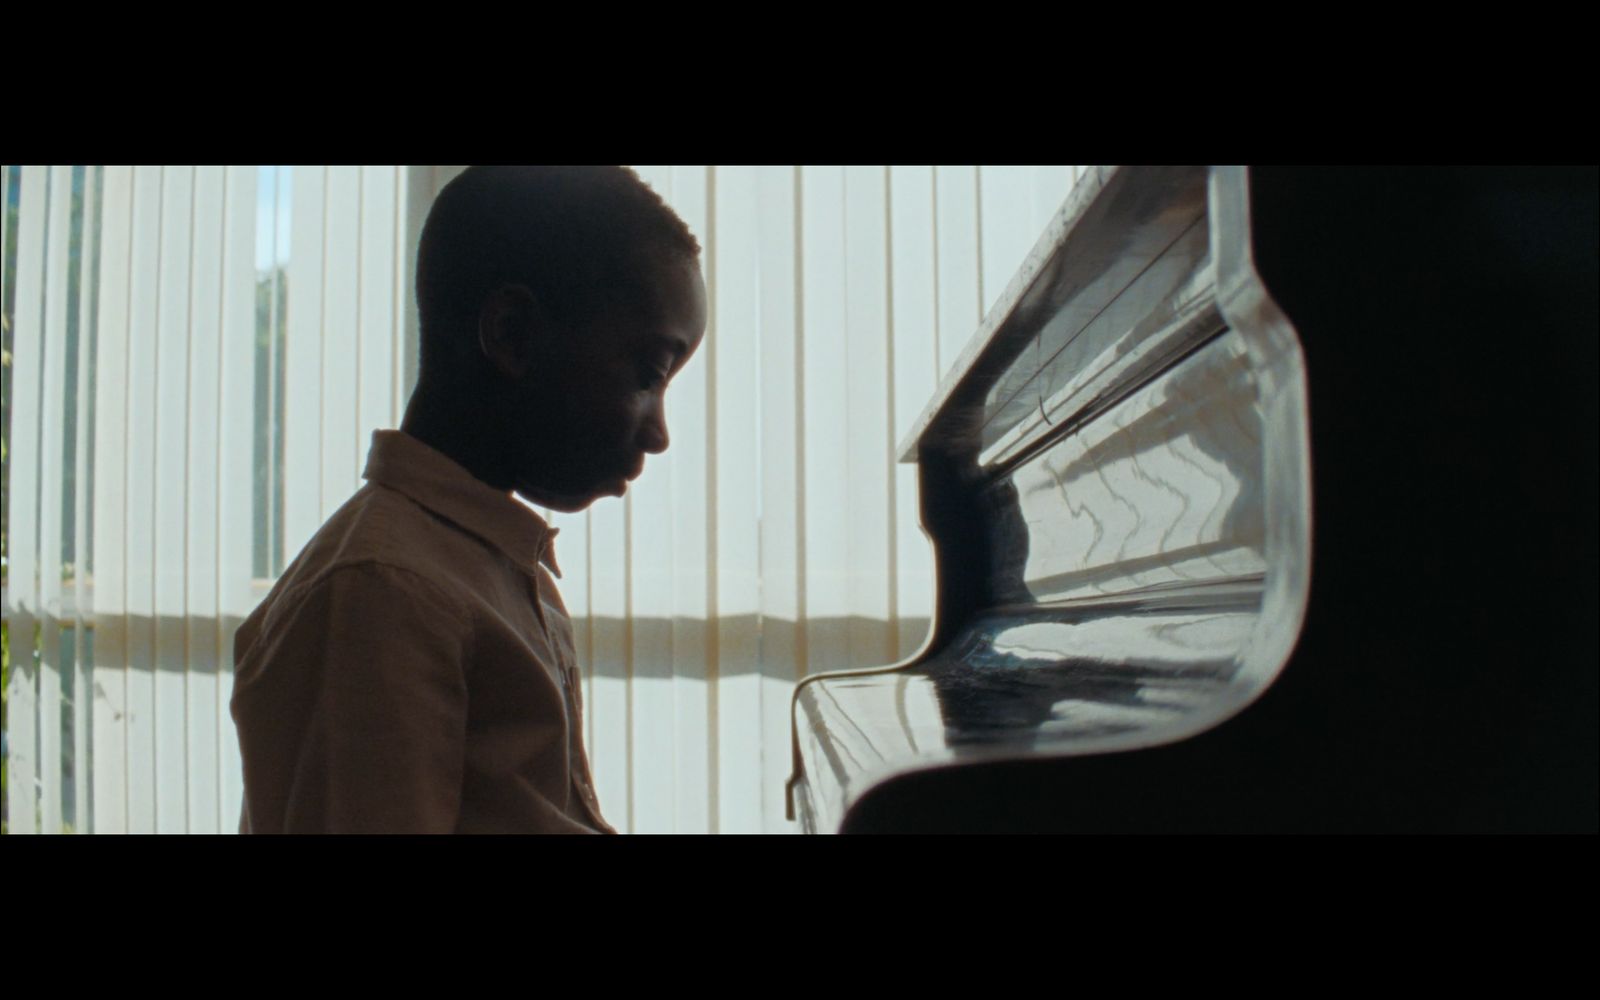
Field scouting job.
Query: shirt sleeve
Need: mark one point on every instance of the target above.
(352, 708)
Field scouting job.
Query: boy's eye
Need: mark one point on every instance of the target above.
(650, 376)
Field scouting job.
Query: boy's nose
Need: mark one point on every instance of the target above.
(653, 435)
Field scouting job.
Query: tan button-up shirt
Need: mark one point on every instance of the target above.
(413, 670)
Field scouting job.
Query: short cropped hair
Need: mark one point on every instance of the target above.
(576, 236)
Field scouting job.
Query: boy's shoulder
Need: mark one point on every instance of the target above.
(381, 535)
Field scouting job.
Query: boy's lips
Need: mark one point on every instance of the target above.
(619, 486)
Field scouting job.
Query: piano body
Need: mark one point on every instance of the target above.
(1264, 500)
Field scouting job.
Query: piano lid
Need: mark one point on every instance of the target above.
(1125, 238)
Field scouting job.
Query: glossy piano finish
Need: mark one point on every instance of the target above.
(1163, 491)
(1068, 681)
(1096, 482)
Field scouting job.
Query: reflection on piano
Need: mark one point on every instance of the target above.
(1119, 477)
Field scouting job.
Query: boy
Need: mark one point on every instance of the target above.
(413, 669)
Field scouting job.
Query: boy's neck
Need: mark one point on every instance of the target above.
(459, 426)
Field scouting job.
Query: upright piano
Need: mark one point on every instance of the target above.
(1263, 500)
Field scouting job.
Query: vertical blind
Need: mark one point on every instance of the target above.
(197, 358)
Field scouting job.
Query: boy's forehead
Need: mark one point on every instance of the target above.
(666, 310)
(677, 304)
(676, 284)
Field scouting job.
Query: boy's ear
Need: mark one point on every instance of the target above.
(509, 330)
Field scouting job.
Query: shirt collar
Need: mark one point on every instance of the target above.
(404, 464)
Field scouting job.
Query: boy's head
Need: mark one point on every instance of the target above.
(562, 299)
